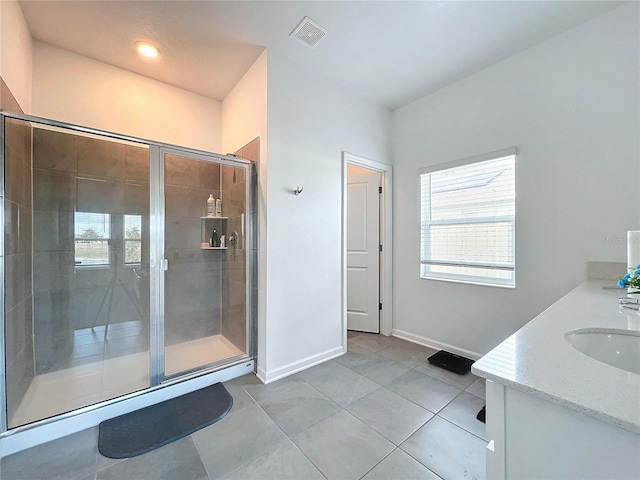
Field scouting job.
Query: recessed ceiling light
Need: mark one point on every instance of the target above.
(147, 50)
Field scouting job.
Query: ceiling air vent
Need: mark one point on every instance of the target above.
(308, 32)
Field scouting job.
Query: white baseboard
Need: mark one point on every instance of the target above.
(428, 342)
(261, 374)
(298, 366)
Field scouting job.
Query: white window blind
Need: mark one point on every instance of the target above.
(467, 220)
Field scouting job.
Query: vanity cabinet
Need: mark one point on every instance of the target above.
(532, 438)
(207, 226)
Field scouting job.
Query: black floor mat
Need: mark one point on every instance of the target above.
(451, 361)
(482, 414)
(151, 427)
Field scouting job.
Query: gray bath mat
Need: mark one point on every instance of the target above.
(151, 427)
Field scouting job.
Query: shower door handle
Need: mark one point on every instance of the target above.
(164, 264)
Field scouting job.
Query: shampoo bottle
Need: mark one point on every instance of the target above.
(218, 207)
(211, 206)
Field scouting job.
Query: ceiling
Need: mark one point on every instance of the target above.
(391, 52)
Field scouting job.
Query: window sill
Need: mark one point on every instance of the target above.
(469, 281)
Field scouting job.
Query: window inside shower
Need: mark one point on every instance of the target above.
(108, 289)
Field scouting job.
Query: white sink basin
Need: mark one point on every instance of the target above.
(618, 348)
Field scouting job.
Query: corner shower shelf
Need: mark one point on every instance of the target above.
(205, 233)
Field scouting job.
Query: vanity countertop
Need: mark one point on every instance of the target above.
(538, 360)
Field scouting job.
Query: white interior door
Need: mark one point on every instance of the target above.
(363, 257)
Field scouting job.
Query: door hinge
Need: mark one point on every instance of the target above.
(379, 189)
(380, 306)
(380, 248)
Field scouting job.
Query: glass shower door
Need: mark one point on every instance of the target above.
(113, 280)
(77, 269)
(204, 281)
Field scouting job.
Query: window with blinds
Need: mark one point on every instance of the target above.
(467, 220)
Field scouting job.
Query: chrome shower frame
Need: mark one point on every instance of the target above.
(161, 386)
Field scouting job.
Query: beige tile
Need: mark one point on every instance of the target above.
(187, 201)
(11, 228)
(181, 171)
(18, 162)
(251, 151)
(210, 176)
(54, 150)
(97, 195)
(101, 158)
(53, 190)
(137, 163)
(136, 198)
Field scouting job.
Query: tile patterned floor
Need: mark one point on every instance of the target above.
(378, 412)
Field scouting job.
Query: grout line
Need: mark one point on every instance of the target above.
(462, 428)
(381, 460)
(291, 439)
(341, 408)
(404, 451)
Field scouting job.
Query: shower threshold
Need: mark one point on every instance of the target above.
(65, 390)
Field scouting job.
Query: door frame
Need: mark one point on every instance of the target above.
(159, 263)
(386, 236)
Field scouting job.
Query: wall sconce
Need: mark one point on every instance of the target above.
(298, 191)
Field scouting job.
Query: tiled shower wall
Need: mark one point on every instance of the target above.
(234, 279)
(17, 253)
(193, 280)
(74, 173)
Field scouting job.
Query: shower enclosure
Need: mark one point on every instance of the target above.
(111, 285)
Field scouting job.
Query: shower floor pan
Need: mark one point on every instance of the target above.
(65, 390)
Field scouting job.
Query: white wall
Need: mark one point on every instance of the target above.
(16, 53)
(244, 117)
(76, 89)
(571, 105)
(311, 122)
(244, 109)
